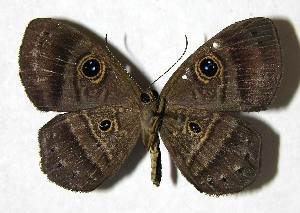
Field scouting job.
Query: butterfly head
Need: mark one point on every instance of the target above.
(150, 98)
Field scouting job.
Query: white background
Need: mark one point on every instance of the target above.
(155, 39)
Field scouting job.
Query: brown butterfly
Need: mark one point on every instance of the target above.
(237, 70)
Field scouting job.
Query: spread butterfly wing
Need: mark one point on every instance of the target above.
(81, 150)
(239, 69)
(217, 153)
(64, 70)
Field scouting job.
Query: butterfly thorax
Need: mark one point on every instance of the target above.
(151, 114)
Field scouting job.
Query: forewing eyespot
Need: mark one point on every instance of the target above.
(208, 68)
(91, 68)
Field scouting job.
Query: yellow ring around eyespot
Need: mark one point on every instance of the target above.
(204, 78)
(96, 79)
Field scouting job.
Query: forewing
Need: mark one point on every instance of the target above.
(52, 57)
(239, 69)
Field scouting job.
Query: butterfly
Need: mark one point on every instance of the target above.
(63, 70)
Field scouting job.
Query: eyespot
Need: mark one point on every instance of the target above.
(194, 127)
(92, 68)
(238, 169)
(223, 178)
(75, 174)
(208, 68)
(105, 125)
(52, 150)
(209, 180)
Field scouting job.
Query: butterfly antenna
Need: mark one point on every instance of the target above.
(127, 48)
(106, 45)
(186, 44)
(107, 48)
(205, 38)
(112, 55)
